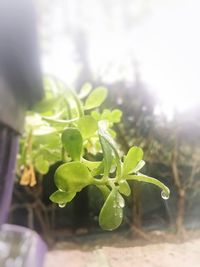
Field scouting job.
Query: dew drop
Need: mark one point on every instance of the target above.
(121, 203)
(62, 205)
(164, 195)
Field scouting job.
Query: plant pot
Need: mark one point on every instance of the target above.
(21, 247)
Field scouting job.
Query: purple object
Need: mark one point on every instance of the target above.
(8, 152)
(21, 247)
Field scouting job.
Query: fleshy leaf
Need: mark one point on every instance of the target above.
(96, 115)
(96, 98)
(143, 178)
(139, 166)
(106, 115)
(107, 154)
(44, 130)
(61, 197)
(52, 141)
(124, 188)
(41, 165)
(85, 90)
(46, 104)
(116, 115)
(99, 170)
(111, 214)
(104, 190)
(92, 165)
(108, 142)
(133, 157)
(87, 126)
(72, 177)
(73, 143)
(58, 122)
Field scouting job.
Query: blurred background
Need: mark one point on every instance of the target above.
(147, 54)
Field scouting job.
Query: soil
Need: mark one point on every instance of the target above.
(155, 249)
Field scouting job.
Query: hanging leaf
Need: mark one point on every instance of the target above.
(96, 98)
(73, 143)
(87, 126)
(133, 157)
(72, 177)
(146, 179)
(61, 197)
(124, 188)
(111, 214)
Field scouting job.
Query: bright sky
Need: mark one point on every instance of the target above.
(166, 43)
(168, 48)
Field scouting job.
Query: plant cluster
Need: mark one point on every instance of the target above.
(70, 127)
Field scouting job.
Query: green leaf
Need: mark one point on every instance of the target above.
(92, 165)
(72, 177)
(111, 214)
(41, 165)
(51, 155)
(73, 143)
(44, 130)
(85, 90)
(106, 115)
(87, 126)
(99, 170)
(46, 104)
(104, 190)
(133, 157)
(116, 115)
(124, 188)
(96, 98)
(107, 141)
(61, 197)
(112, 133)
(107, 155)
(52, 141)
(96, 115)
(59, 122)
(146, 179)
(139, 166)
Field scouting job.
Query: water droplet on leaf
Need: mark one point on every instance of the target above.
(164, 195)
(121, 203)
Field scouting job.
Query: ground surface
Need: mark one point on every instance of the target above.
(115, 251)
